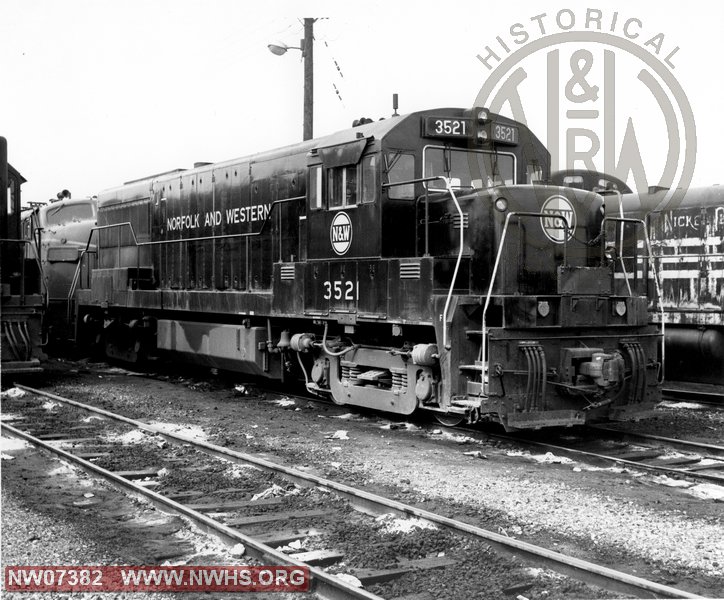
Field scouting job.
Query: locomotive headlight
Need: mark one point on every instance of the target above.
(619, 307)
(501, 204)
(482, 136)
(482, 116)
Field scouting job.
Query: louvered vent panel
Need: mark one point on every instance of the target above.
(410, 270)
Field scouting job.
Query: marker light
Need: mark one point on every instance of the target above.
(501, 204)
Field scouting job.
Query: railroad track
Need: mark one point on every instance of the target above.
(210, 516)
(666, 456)
(710, 396)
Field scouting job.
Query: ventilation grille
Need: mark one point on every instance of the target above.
(287, 272)
(456, 221)
(410, 270)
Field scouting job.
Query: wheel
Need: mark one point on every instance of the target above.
(449, 419)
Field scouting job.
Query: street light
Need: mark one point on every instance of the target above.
(307, 49)
(281, 48)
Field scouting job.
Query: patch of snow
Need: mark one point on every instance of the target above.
(670, 482)
(13, 393)
(9, 443)
(350, 579)
(707, 491)
(548, 457)
(392, 524)
(191, 431)
(237, 471)
(684, 405)
(93, 418)
(61, 469)
(284, 402)
(10, 417)
(270, 492)
(350, 417)
(132, 437)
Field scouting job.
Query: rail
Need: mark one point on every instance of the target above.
(129, 225)
(325, 585)
(448, 186)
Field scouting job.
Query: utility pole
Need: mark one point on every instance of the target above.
(308, 54)
(306, 46)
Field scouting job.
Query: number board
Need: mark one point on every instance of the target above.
(443, 127)
(504, 134)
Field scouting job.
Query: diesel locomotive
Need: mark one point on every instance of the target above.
(411, 263)
(23, 294)
(56, 235)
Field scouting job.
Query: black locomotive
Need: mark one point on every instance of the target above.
(405, 264)
(23, 294)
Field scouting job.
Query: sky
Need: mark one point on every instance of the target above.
(97, 92)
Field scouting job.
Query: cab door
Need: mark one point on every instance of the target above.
(343, 226)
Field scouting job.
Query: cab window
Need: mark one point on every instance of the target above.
(400, 167)
(369, 178)
(315, 188)
(342, 186)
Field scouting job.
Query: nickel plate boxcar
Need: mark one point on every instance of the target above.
(687, 236)
(405, 264)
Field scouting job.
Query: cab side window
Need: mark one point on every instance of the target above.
(342, 186)
(368, 189)
(315, 188)
(400, 167)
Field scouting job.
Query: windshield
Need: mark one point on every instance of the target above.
(69, 212)
(468, 168)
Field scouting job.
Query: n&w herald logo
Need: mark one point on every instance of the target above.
(340, 233)
(559, 214)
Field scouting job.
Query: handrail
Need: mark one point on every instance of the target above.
(618, 195)
(447, 181)
(567, 228)
(657, 284)
(76, 276)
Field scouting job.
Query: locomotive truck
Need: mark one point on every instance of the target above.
(411, 263)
